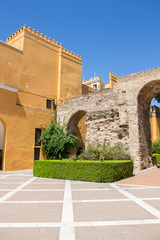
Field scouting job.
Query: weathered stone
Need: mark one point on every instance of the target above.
(120, 114)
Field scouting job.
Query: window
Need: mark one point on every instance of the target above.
(48, 104)
(37, 136)
(95, 86)
(36, 153)
(37, 144)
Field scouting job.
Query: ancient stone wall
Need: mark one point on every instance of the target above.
(120, 114)
(102, 117)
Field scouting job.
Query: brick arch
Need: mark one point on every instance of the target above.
(145, 95)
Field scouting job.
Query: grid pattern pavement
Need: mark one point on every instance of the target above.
(38, 208)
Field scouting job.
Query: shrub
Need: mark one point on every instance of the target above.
(105, 152)
(91, 171)
(156, 146)
(57, 141)
(157, 157)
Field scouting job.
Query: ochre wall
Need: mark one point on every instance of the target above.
(40, 69)
(155, 128)
(19, 123)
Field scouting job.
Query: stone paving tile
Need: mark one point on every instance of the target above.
(43, 180)
(85, 185)
(9, 186)
(44, 186)
(35, 212)
(29, 233)
(130, 186)
(145, 193)
(108, 211)
(2, 193)
(87, 195)
(154, 203)
(19, 177)
(133, 232)
(36, 196)
(15, 180)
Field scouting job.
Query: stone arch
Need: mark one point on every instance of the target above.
(73, 124)
(145, 95)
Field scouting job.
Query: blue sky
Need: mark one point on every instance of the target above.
(121, 36)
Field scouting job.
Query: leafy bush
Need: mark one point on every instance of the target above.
(157, 157)
(156, 147)
(57, 141)
(105, 152)
(91, 171)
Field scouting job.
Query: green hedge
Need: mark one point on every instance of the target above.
(90, 171)
(157, 157)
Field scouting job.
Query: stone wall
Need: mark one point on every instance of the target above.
(120, 114)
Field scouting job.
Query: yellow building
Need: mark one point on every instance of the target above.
(35, 73)
(97, 84)
(155, 123)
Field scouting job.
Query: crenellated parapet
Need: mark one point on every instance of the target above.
(41, 36)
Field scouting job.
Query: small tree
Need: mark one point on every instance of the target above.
(57, 141)
(156, 147)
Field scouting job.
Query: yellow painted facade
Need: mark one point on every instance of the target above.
(97, 84)
(33, 69)
(155, 123)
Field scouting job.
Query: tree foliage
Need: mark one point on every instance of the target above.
(57, 141)
(156, 147)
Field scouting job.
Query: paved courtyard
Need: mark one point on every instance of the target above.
(49, 209)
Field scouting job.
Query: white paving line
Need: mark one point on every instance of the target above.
(49, 183)
(12, 182)
(4, 176)
(90, 189)
(8, 195)
(80, 224)
(67, 232)
(116, 223)
(82, 201)
(102, 200)
(140, 202)
(138, 186)
(43, 201)
(42, 190)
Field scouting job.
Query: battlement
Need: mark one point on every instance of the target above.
(41, 36)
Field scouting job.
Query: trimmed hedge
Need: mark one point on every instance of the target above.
(90, 171)
(157, 157)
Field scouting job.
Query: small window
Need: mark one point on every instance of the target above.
(36, 153)
(95, 86)
(37, 136)
(48, 104)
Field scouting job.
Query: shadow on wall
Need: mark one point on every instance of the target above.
(1, 143)
(145, 96)
(78, 127)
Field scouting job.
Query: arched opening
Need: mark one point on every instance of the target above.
(2, 131)
(78, 127)
(145, 96)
